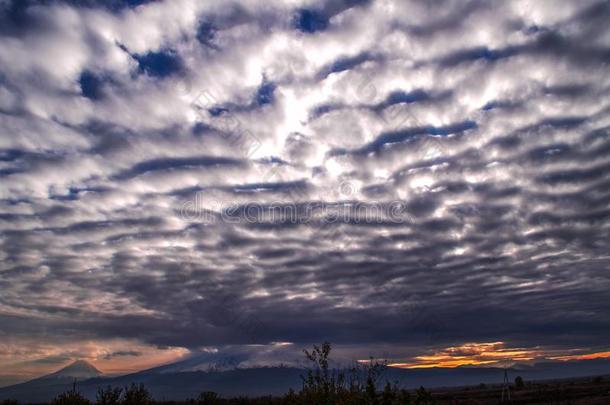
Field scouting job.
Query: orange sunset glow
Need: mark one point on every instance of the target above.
(586, 356)
(489, 354)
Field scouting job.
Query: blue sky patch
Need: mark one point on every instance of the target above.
(91, 85)
(265, 93)
(310, 21)
(159, 64)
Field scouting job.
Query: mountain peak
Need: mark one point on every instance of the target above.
(78, 369)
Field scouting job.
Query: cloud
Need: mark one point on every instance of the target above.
(486, 125)
(130, 353)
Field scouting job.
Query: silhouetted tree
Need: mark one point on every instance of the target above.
(519, 382)
(70, 397)
(136, 394)
(357, 385)
(389, 395)
(321, 385)
(108, 396)
(423, 397)
(404, 397)
(374, 370)
(291, 398)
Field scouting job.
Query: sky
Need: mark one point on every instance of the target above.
(423, 181)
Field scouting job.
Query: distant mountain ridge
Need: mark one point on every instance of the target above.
(165, 382)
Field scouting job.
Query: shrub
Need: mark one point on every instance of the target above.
(358, 385)
(321, 385)
(519, 382)
(423, 397)
(70, 397)
(108, 396)
(136, 394)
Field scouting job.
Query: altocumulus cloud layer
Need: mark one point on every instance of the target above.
(122, 122)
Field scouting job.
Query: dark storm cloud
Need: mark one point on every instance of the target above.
(154, 165)
(185, 192)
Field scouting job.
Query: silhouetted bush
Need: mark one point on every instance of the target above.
(136, 394)
(519, 382)
(71, 397)
(357, 385)
(108, 396)
(423, 397)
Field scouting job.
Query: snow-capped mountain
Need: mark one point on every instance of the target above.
(235, 358)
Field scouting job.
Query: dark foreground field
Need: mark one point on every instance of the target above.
(594, 390)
